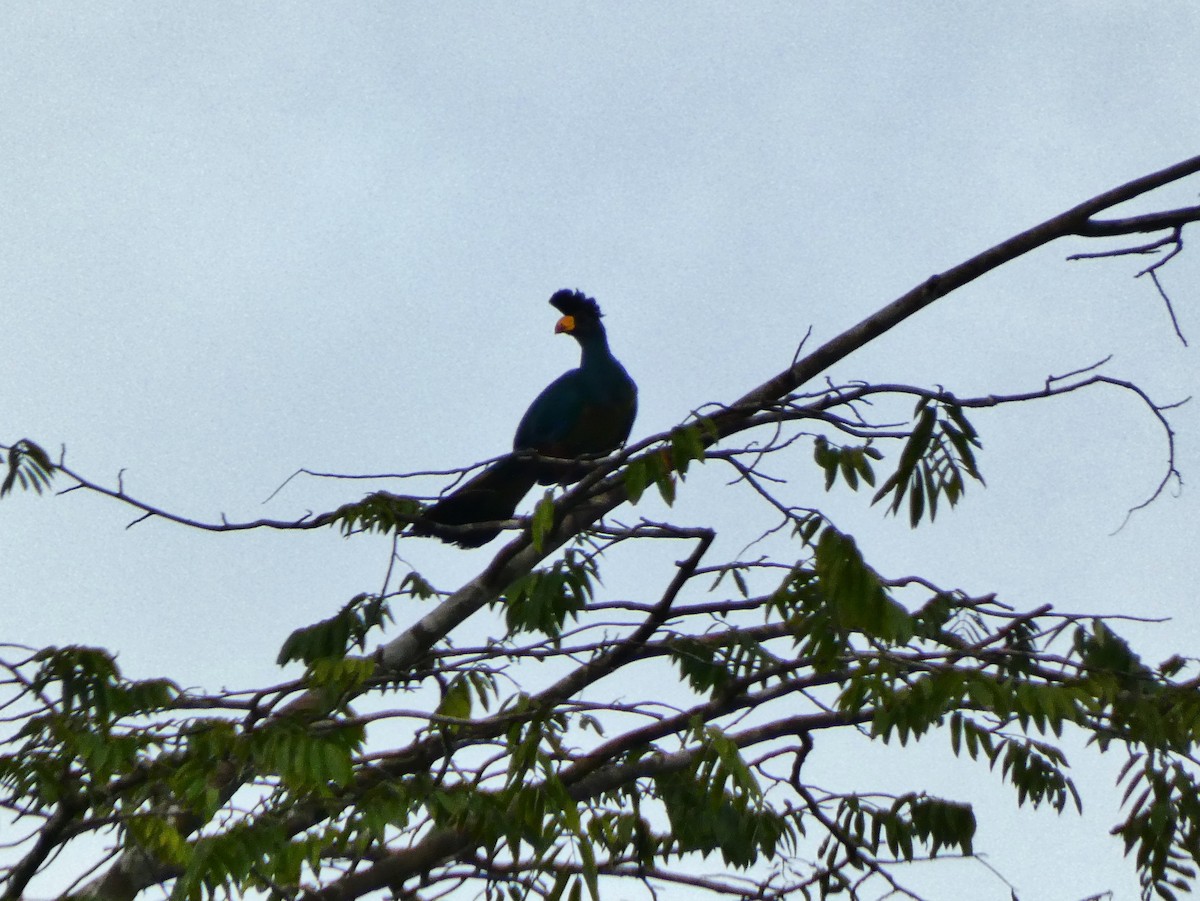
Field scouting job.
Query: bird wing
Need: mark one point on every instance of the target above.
(577, 415)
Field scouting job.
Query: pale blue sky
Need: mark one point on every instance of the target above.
(241, 239)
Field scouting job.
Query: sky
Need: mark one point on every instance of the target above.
(239, 240)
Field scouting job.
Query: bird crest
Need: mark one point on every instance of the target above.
(575, 303)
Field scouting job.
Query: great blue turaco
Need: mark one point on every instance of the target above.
(585, 412)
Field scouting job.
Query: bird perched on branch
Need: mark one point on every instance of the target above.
(583, 413)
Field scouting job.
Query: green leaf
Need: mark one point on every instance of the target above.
(159, 837)
(697, 661)
(864, 468)
(855, 591)
(740, 581)
(637, 477)
(335, 636)
(542, 600)
(849, 470)
(456, 700)
(590, 873)
(687, 444)
(560, 884)
(379, 512)
(916, 501)
(542, 521)
(417, 586)
(664, 480)
(931, 464)
(29, 465)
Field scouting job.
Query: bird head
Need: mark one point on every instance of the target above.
(581, 313)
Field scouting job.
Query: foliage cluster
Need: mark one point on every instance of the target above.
(594, 740)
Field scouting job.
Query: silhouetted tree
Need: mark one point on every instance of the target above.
(490, 777)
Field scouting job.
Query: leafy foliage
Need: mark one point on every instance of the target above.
(28, 466)
(554, 805)
(380, 511)
(542, 520)
(851, 463)
(1164, 808)
(938, 453)
(606, 739)
(337, 636)
(543, 600)
(716, 804)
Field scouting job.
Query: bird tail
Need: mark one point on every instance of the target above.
(490, 496)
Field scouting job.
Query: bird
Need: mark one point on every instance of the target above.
(585, 412)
